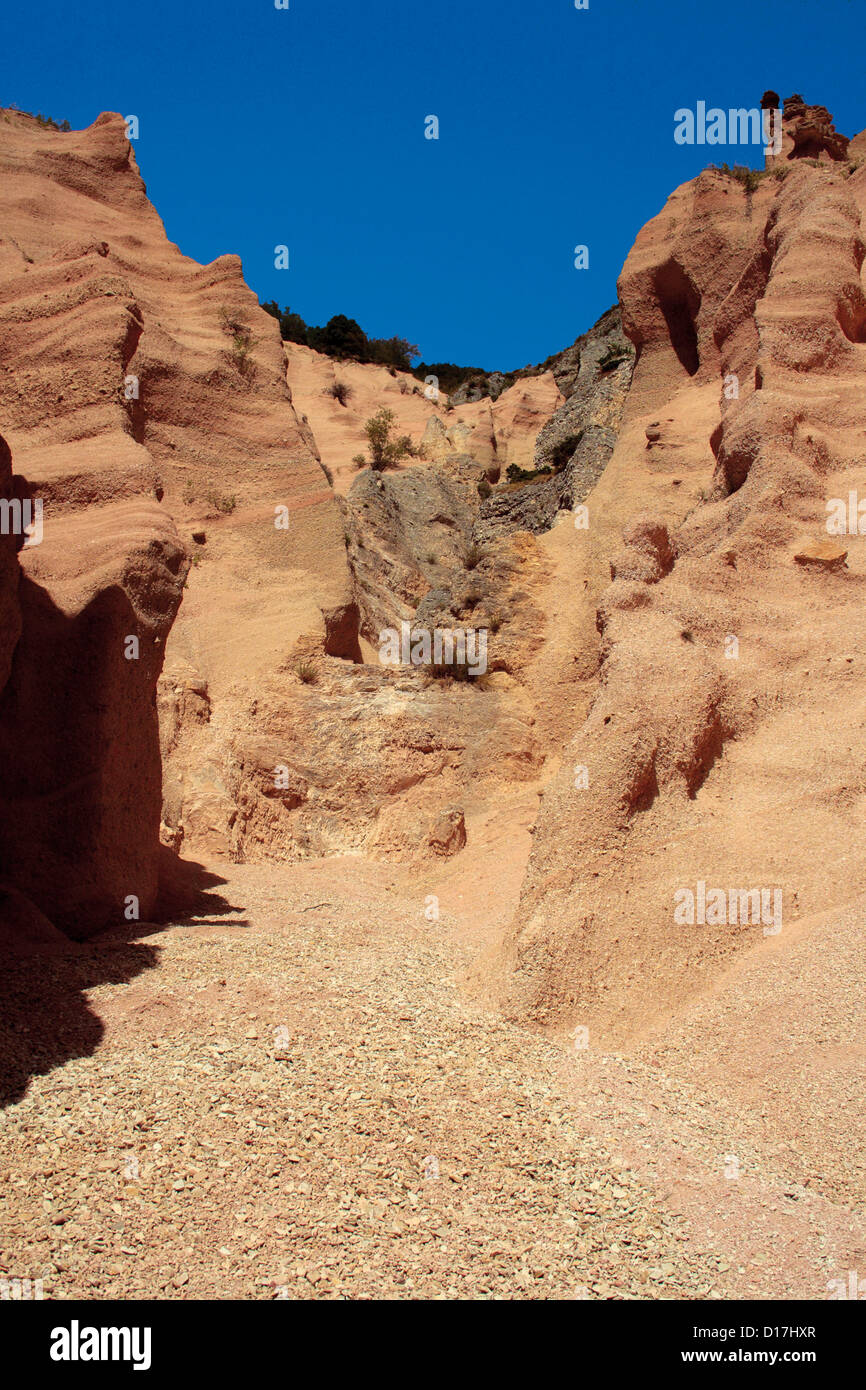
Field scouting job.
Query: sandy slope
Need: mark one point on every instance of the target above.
(498, 432)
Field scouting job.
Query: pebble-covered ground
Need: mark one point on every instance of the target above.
(294, 1098)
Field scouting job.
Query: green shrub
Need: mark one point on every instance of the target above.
(340, 391)
(48, 122)
(749, 178)
(560, 454)
(515, 474)
(222, 503)
(240, 352)
(385, 451)
(615, 354)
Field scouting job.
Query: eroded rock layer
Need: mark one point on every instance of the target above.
(136, 387)
(721, 749)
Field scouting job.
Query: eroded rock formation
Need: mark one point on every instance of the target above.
(808, 132)
(719, 747)
(697, 619)
(137, 387)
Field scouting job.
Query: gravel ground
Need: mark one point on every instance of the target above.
(295, 1099)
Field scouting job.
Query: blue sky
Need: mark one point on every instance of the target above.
(305, 127)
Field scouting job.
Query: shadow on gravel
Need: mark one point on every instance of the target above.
(45, 1017)
(186, 890)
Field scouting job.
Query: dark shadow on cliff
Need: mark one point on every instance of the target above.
(80, 794)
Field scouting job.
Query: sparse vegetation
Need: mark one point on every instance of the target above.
(472, 556)
(240, 352)
(343, 338)
(561, 453)
(449, 375)
(385, 451)
(47, 122)
(484, 489)
(306, 672)
(557, 459)
(223, 503)
(339, 391)
(515, 474)
(749, 178)
(218, 500)
(615, 354)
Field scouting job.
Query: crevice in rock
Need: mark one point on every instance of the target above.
(679, 302)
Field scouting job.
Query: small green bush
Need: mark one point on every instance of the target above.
(385, 451)
(749, 178)
(339, 391)
(240, 352)
(220, 501)
(615, 354)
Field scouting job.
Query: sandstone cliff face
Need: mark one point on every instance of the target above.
(254, 692)
(137, 387)
(250, 706)
(88, 602)
(719, 747)
(592, 377)
(79, 738)
(143, 396)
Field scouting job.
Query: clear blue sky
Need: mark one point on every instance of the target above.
(306, 127)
